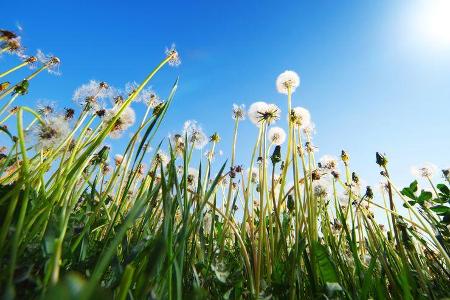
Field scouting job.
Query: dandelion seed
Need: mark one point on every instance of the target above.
(427, 170)
(195, 134)
(126, 120)
(277, 135)
(52, 133)
(174, 56)
(287, 80)
(238, 112)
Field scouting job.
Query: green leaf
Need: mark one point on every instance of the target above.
(326, 267)
(409, 191)
(441, 209)
(424, 196)
(443, 189)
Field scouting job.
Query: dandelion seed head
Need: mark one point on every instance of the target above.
(50, 60)
(426, 170)
(300, 116)
(310, 129)
(328, 162)
(126, 120)
(287, 80)
(161, 158)
(192, 177)
(238, 112)
(195, 134)
(255, 110)
(150, 98)
(89, 95)
(177, 142)
(254, 174)
(118, 159)
(52, 133)
(277, 135)
(13, 46)
(174, 56)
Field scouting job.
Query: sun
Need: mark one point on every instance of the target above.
(432, 22)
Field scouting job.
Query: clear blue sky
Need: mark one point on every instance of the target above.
(372, 79)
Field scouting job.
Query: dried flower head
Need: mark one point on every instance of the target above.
(288, 80)
(328, 162)
(69, 113)
(6, 35)
(277, 135)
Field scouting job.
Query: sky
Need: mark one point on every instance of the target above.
(374, 74)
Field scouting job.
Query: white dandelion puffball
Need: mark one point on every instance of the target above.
(255, 112)
(300, 116)
(126, 120)
(195, 134)
(52, 133)
(277, 135)
(161, 158)
(426, 170)
(287, 80)
(90, 93)
(238, 112)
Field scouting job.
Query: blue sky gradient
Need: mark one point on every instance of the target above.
(371, 82)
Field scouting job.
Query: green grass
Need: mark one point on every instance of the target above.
(74, 226)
